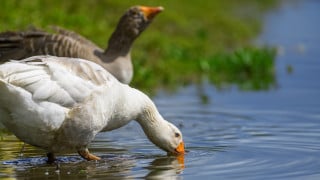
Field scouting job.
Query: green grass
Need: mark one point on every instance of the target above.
(250, 68)
(188, 42)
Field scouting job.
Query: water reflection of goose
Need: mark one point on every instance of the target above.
(166, 167)
(73, 167)
(60, 104)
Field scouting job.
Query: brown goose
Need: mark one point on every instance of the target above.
(116, 58)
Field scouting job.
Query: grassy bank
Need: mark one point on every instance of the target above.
(190, 40)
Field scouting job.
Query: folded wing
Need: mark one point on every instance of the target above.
(56, 80)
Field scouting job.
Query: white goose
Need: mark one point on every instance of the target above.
(60, 104)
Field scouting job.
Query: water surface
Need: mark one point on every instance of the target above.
(270, 134)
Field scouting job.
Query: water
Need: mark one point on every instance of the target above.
(271, 134)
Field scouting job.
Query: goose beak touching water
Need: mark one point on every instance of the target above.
(116, 58)
(60, 104)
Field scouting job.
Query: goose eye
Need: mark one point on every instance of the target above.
(134, 12)
(177, 135)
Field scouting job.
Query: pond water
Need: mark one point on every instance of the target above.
(272, 134)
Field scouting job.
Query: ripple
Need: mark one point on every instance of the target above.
(249, 144)
(34, 161)
(252, 163)
(221, 143)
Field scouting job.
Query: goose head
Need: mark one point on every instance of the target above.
(134, 21)
(169, 138)
(137, 19)
(161, 132)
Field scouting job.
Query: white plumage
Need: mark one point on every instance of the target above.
(60, 104)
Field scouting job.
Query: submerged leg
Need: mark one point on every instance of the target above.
(85, 154)
(51, 158)
(22, 149)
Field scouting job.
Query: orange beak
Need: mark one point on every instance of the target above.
(150, 12)
(180, 148)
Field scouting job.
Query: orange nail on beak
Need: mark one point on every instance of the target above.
(150, 12)
(180, 148)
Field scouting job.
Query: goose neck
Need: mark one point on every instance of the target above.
(119, 44)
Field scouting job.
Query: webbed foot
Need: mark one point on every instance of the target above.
(85, 154)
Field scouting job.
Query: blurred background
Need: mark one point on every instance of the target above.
(187, 43)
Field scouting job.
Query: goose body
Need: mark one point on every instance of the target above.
(116, 58)
(60, 104)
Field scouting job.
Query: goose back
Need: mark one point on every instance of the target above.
(19, 45)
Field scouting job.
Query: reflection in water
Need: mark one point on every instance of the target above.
(74, 167)
(233, 141)
(166, 167)
(223, 142)
(110, 167)
(115, 163)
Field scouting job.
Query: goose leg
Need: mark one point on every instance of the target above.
(85, 154)
(22, 149)
(51, 158)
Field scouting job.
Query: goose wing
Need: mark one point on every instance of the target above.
(64, 81)
(75, 36)
(20, 45)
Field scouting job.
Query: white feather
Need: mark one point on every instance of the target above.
(60, 104)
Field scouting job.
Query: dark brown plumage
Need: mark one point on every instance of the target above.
(116, 58)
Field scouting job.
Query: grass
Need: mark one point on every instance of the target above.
(188, 42)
